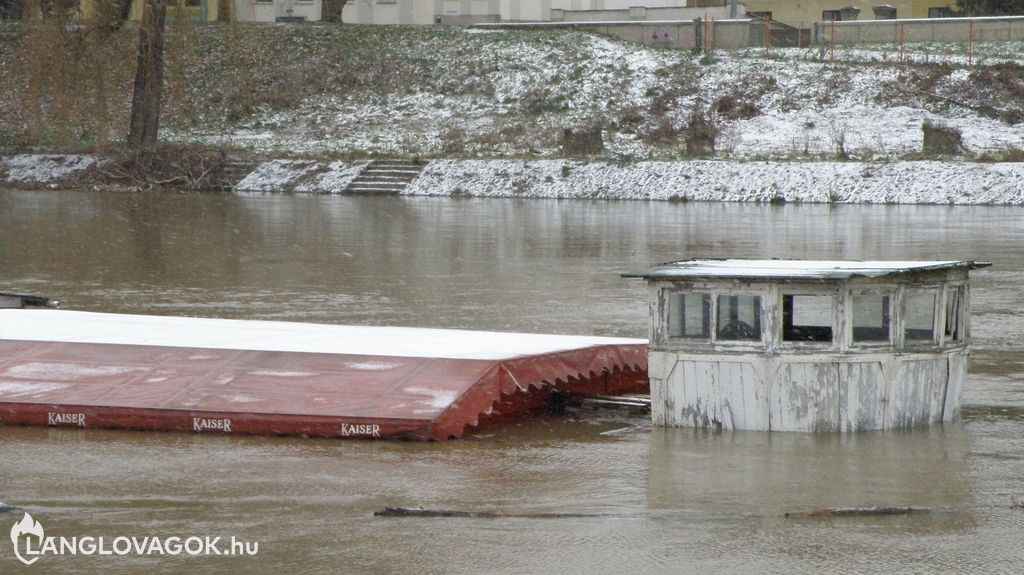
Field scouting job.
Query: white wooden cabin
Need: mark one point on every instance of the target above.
(788, 345)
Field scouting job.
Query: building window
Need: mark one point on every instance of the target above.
(738, 318)
(955, 313)
(831, 15)
(943, 12)
(689, 315)
(807, 318)
(760, 15)
(919, 316)
(884, 12)
(871, 318)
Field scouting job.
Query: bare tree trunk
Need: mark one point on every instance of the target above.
(225, 10)
(149, 76)
(331, 11)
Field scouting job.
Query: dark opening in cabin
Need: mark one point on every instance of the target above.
(954, 313)
(738, 318)
(807, 318)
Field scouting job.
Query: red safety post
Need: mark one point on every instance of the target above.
(767, 34)
(970, 43)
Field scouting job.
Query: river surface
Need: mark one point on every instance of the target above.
(665, 501)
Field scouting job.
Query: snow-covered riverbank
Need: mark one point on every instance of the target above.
(921, 182)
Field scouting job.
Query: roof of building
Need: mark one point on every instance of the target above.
(793, 269)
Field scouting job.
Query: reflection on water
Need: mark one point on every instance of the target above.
(661, 501)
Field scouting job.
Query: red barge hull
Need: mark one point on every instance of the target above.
(123, 375)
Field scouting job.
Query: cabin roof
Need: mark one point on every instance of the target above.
(793, 269)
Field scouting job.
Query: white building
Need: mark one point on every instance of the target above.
(471, 11)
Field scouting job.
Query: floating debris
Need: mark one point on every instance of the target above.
(5, 508)
(858, 512)
(421, 512)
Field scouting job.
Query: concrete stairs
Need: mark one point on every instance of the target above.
(227, 177)
(385, 177)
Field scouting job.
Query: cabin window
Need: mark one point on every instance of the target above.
(807, 318)
(954, 313)
(689, 315)
(738, 318)
(919, 316)
(871, 318)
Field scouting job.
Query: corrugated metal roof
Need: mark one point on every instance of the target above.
(793, 269)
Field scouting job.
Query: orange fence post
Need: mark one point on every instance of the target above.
(832, 43)
(970, 43)
(705, 39)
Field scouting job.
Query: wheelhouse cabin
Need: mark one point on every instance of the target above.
(787, 345)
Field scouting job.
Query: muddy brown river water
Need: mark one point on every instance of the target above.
(667, 501)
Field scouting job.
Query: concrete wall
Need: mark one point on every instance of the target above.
(471, 11)
(679, 35)
(643, 13)
(259, 11)
(928, 30)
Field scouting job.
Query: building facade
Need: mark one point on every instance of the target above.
(803, 13)
(244, 10)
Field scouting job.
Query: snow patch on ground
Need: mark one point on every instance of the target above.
(278, 176)
(305, 176)
(42, 168)
(924, 182)
(334, 180)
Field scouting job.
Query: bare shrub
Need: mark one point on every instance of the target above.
(940, 139)
(662, 133)
(701, 133)
(582, 141)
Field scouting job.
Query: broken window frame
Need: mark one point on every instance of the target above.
(889, 314)
(954, 292)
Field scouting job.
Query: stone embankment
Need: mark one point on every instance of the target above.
(904, 182)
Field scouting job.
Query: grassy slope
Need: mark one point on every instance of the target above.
(432, 91)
